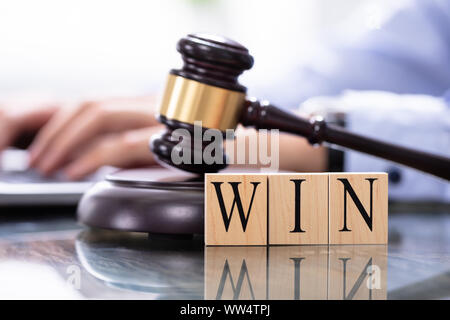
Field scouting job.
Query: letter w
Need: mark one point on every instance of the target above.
(236, 202)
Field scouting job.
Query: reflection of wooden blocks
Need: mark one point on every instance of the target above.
(298, 272)
(298, 209)
(235, 209)
(358, 208)
(357, 273)
(235, 273)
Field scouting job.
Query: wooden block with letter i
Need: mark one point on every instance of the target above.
(236, 209)
(358, 208)
(298, 208)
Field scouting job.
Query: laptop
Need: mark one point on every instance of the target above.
(22, 186)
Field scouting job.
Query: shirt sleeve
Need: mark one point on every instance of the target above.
(419, 122)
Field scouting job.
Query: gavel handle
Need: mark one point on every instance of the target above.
(262, 115)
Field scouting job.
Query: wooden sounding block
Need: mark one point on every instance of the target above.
(298, 208)
(358, 208)
(236, 209)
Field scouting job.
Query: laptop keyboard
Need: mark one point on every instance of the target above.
(14, 169)
(29, 176)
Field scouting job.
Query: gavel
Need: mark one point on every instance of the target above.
(206, 89)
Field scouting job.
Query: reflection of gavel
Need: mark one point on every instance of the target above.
(206, 89)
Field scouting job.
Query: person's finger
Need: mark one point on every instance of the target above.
(7, 130)
(33, 119)
(80, 131)
(12, 124)
(53, 129)
(122, 150)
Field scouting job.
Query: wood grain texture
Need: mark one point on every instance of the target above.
(238, 273)
(298, 272)
(248, 186)
(298, 208)
(357, 272)
(349, 224)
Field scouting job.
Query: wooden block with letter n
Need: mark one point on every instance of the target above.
(298, 208)
(358, 208)
(236, 209)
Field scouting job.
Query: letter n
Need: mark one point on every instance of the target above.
(348, 189)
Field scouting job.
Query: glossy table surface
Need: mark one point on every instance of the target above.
(48, 255)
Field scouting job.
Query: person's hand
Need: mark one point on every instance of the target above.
(80, 139)
(124, 150)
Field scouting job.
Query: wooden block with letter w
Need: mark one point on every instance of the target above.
(236, 209)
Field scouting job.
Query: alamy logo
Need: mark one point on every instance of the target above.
(74, 276)
(246, 148)
(374, 279)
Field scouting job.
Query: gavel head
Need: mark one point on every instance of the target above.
(204, 95)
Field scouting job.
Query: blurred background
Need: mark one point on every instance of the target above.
(116, 47)
(394, 54)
